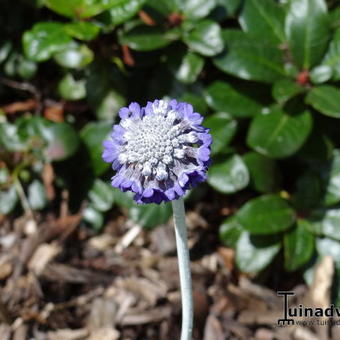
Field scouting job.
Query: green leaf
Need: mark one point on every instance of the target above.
(268, 214)
(80, 8)
(330, 173)
(326, 222)
(308, 191)
(75, 56)
(230, 176)
(326, 99)
(326, 246)
(264, 173)
(332, 56)
(71, 89)
(94, 217)
(254, 253)
(93, 135)
(123, 10)
(123, 199)
(105, 91)
(222, 96)
(264, 19)
(82, 30)
(320, 74)
(44, 40)
(4, 175)
(222, 128)
(230, 231)
(148, 38)
(307, 31)
(101, 196)
(8, 200)
(285, 89)
(189, 68)
(26, 69)
(197, 9)
(278, 134)
(9, 138)
(63, 142)
(150, 215)
(5, 50)
(196, 101)
(249, 58)
(205, 38)
(298, 246)
(37, 195)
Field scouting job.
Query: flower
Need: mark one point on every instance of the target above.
(158, 151)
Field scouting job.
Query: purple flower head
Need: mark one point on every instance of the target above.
(158, 151)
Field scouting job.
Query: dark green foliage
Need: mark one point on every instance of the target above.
(264, 73)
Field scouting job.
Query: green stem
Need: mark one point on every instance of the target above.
(184, 268)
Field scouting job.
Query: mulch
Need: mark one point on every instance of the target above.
(60, 280)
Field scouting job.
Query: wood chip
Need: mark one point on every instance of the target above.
(213, 329)
(140, 318)
(44, 254)
(104, 334)
(68, 334)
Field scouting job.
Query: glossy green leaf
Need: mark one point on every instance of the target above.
(148, 38)
(196, 9)
(9, 138)
(196, 101)
(308, 191)
(63, 142)
(93, 136)
(80, 8)
(264, 19)
(75, 56)
(230, 176)
(230, 231)
(105, 91)
(326, 246)
(150, 215)
(26, 68)
(82, 30)
(123, 10)
(44, 40)
(189, 68)
(71, 89)
(326, 222)
(4, 175)
(285, 89)
(249, 58)
(325, 99)
(254, 253)
(298, 246)
(101, 195)
(264, 173)
(37, 195)
(330, 173)
(5, 50)
(8, 200)
(332, 56)
(205, 38)
(224, 97)
(268, 214)
(222, 128)
(278, 134)
(321, 74)
(94, 217)
(307, 31)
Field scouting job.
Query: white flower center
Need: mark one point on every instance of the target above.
(154, 141)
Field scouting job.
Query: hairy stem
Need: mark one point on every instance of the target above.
(184, 268)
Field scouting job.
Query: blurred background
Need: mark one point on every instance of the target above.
(80, 260)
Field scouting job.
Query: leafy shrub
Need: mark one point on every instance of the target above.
(264, 72)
